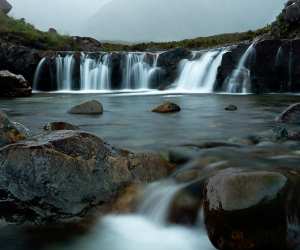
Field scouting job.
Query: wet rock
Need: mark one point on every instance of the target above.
(290, 115)
(54, 126)
(88, 108)
(12, 85)
(5, 6)
(10, 132)
(280, 134)
(167, 107)
(231, 108)
(63, 174)
(243, 208)
(168, 61)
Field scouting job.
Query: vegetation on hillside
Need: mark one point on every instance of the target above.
(21, 32)
(26, 34)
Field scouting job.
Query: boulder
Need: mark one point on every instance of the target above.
(167, 107)
(248, 196)
(63, 174)
(245, 210)
(12, 85)
(10, 132)
(5, 6)
(52, 31)
(290, 115)
(231, 108)
(291, 11)
(54, 126)
(88, 108)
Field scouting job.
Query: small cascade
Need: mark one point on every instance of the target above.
(138, 72)
(239, 81)
(147, 229)
(37, 74)
(94, 74)
(64, 72)
(199, 74)
(163, 192)
(279, 57)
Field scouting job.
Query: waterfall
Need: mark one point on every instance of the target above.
(239, 81)
(95, 75)
(162, 191)
(37, 74)
(279, 57)
(147, 228)
(137, 72)
(64, 72)
(199, 74)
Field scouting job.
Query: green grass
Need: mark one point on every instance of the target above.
(26, 33)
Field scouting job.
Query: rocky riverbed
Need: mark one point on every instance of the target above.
(59, 174)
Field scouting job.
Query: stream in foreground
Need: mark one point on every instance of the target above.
(128, 123)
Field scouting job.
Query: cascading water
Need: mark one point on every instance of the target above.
(148, 229)
(37, 74)
(137, 71)
(95, 75)
(239, 81)
(64, 72)
(199, 74)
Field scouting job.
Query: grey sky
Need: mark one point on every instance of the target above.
(143, 20)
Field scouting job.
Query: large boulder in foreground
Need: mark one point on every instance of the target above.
(87, 108)
(12, 85)
(248, 195)
(63, 174)
(10, 132)
(234, 202)
(291, 114)
(5, 6)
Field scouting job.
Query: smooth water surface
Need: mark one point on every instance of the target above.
(129, 123)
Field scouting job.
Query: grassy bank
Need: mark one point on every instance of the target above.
(20, 31)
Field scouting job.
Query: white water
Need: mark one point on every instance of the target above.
(146, 230)
(37, 74)
(199, 74)
(95, 75)
(239, 81)
(64, 72)
(137, 71)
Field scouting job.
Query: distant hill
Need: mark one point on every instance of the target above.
(167, 20)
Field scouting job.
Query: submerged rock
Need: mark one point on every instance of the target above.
(63, 174)
(10, 132)
(54, 126)
(88, 108)
(290, 115)
(12, 85)
(167, 107)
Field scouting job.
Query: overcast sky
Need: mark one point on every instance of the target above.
(141, 20)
